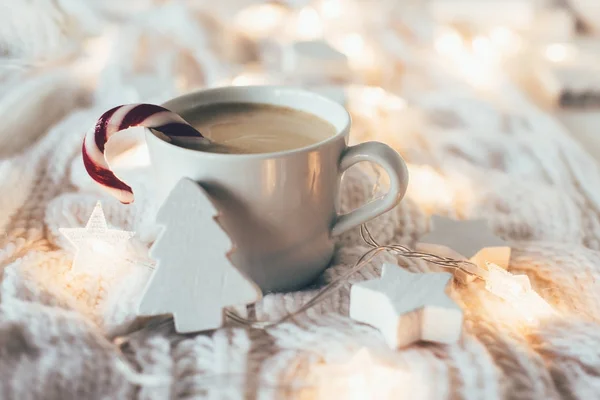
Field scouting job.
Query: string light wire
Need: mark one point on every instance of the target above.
(397, 249)
(319, 297)
(375, 249)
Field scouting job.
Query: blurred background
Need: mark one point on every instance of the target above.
(382, 56)
(481, 97)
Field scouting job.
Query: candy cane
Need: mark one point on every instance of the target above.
(117, 119)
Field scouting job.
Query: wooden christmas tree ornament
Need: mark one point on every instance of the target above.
(407, 307)
(194, 280)
(465, 240)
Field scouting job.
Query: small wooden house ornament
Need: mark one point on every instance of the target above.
(465, 240)
(407, 307)
(194, 280)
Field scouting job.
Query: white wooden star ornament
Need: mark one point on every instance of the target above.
(465, 240)
(97, 246)
(407, 307)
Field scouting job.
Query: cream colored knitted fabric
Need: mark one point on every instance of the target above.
(503, 161)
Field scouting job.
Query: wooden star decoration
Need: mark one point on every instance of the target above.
(407, 307)
(96, 244)
(359, 378)
(465, 240)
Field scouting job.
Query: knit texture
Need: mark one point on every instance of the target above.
(501, 159)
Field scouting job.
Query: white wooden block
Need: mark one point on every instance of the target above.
(471, 240)
(194, 280)
(570, 84)
(316, 59)
(407, 307)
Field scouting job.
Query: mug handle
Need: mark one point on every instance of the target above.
(387, 158)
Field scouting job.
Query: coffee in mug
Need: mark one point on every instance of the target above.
(251, 128)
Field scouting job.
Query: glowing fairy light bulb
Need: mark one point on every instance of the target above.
(97, 246)
(425, 178)
(505, 39)
(373, 101)
(96, 53)
(250, 78)
(482, 47)
(534, 307)
(361, 378)
(260, 20)
(308, 24)
(353, 45)
(506, 285)
(516, 290)
(476, 61)
(501, 35)
(448, 42)
(361, 53)
(558, 52)
(331, 8)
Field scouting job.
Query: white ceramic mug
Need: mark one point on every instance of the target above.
(279, 208)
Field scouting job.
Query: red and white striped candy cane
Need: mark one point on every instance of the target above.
(118, 119)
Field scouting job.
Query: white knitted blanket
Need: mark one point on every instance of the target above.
(502, 160)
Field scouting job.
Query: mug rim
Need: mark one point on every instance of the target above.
(343, 132)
